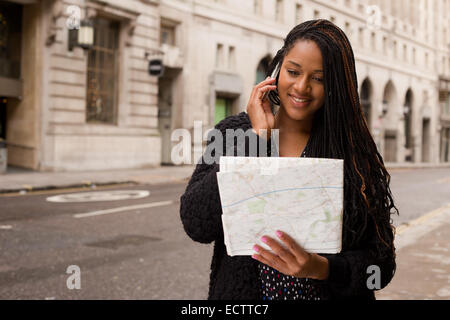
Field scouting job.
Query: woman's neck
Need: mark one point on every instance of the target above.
(292, 128)
(293, 134)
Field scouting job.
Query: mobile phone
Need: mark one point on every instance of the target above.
(274, 74)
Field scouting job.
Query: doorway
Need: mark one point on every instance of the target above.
(426, 140)
(3, 106)
(390, 146)
(223, 109)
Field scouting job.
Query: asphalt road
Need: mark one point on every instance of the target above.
(137, 252)
(133, 254)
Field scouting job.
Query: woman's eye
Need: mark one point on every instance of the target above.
(318, 79)
(293, 72)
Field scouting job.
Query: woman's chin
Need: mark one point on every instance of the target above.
(297, 115)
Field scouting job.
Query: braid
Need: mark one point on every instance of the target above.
(340, 131)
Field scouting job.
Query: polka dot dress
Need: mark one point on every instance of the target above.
(278, 286)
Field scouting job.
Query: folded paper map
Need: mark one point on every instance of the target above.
(302, 197)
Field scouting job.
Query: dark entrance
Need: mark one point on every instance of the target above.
(3, 102)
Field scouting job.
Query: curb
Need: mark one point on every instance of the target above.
(391, 165)
(87, 184)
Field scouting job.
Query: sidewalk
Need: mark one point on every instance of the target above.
(17, 180)
(423, 259)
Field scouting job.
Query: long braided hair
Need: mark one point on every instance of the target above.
(340, 131)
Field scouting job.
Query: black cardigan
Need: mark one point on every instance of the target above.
(238, 277)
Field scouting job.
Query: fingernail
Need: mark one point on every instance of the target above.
(254, 257)
(264, 239)
(279, 234)
(255, 247)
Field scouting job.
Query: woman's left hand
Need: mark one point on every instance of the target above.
(291, 259)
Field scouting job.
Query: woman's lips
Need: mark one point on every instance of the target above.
(299, 104)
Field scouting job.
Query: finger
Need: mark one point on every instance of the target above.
(263, 83)
(280, 251)
(269, 258)
(256, 88)
(293, 246)
(261, 259)
(262, 90)
(266, 81)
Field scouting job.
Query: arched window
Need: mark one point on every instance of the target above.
(262, 69)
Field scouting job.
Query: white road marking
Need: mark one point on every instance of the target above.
(121, 209)
(92, 196)
(408, 234)
(420, 220)
(5, 227)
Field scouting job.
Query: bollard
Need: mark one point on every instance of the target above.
(3, 156)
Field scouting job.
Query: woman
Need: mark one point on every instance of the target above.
(319, 116)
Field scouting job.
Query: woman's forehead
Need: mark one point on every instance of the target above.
(305, 54)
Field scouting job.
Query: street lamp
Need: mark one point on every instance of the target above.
(82, 37)
(86, 34)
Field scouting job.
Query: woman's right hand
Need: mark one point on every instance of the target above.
(258, 110)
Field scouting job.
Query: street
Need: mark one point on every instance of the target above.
(139, 250)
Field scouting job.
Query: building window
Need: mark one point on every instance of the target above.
(167, 35)
(405, 53)
(102, 73)
(262, 69)
(279, 11)
(361, 36)
(373, 42)
(10, 35)
(298, 13)
(257, 7)
(219, 55)
(348, 30)
(316, 14)
(395, 49)
(444, 99)
(384, 45)
(231, 58)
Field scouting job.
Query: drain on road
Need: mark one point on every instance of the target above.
(122, 241)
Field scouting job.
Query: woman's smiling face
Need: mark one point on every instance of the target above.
(300, 84)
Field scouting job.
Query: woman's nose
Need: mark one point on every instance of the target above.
(302, 84)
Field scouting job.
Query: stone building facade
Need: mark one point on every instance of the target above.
(401, 50)
(213, 51)
(75, 109)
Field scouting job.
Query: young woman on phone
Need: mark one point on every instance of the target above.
(319, 116)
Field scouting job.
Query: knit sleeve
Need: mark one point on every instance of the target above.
(200, 207)
(354, 272)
